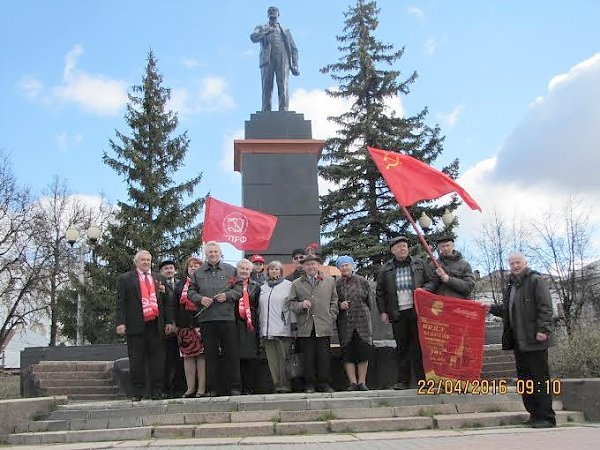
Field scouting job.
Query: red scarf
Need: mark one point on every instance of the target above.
(244, 306)
(184, 300)
(149, 302)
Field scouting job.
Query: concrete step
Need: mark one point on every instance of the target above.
(95, 397)
(76, 390)
(498, 366)
(71, 366)
(81, 382)
(261, 415)
(213, 430)
(76, 375)
(497, 419)
(507, 375)
(505, 356)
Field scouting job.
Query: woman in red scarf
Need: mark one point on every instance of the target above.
(188, 335)
(247, 322)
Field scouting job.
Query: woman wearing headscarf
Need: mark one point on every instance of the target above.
(354, 323)
(275, 324)
(247, 324)
(188, 335)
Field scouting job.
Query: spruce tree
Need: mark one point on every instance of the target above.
(158, 215)
(360, 215)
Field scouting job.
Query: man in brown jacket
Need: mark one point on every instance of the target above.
(314, 299)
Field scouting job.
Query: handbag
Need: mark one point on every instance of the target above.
(293, 364)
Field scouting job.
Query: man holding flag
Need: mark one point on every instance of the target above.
(411, 181)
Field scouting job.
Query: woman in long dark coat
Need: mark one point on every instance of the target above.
(354, 323)
(246, 314)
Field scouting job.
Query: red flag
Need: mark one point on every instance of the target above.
(243, 228)
(411, 180)
(451, 334)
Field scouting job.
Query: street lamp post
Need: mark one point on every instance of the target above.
(72, 236)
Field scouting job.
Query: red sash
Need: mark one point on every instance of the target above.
(184, 300)
(244, 306)
(149, 302)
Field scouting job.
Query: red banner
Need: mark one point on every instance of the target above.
(243, 228)
(411, 180)
(452, 334)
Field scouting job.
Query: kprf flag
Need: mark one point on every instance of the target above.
(411, 180)
(451, 334)
(243, 228)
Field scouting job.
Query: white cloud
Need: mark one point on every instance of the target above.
(30, 86)
(417, 12)
(451, 118)
(430, 46)
(64, 141)
(210, 94)
(550, 155)
(93, 93)
(557, 141)
(191, 63)
(226, 162)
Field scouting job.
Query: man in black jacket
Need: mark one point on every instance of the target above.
(215, 291)
(455, 278)
(142, 317)
(396, 282)
(174, 380)
(527, 317)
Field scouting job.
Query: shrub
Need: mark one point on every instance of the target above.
(578, 355)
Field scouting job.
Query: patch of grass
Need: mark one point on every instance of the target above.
(472, 425)
(383, 403)
(326, 416)
(427, 412)
(9, 386)
(570, 419)
(276, 418)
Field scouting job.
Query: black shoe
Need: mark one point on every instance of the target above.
(542, 424)
(361, 387)
(309, 389)
(235, 392)
(158, 396)
(326, 388)
(352, 387)
(401, 385)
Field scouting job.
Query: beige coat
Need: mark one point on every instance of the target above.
(324, 309)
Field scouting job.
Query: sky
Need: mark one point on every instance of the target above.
(514, 86)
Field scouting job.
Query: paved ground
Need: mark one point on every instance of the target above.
(568, 437)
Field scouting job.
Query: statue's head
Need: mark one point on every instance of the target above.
(273, 11)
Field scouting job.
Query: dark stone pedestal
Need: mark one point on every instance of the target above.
(278, 162)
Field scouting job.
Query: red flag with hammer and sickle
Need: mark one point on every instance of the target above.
(411, 180)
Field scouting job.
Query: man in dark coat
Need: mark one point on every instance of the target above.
(174, 380)
(214, 289)
(142, 317)
(527, 317)
(455, 278)
(396, 282)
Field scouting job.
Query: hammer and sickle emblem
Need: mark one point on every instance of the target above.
(393, 161)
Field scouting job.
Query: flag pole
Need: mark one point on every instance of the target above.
(421, 237)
